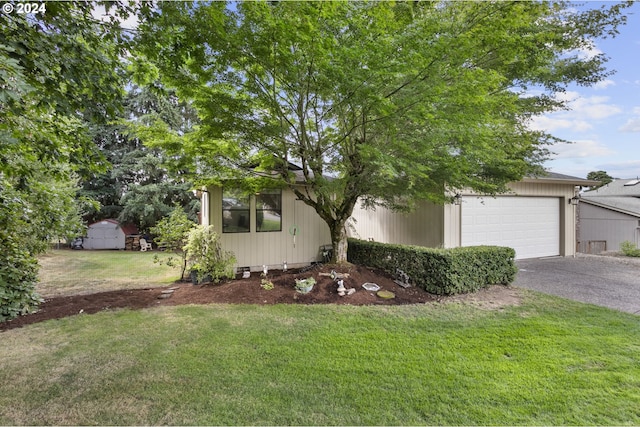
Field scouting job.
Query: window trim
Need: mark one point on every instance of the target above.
(246, 209)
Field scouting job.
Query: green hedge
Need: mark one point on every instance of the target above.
(439, 271)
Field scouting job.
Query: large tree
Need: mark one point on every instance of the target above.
(58, 72)
(383, 102)
(140, 186)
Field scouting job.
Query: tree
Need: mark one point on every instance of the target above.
(382, 102)
(140, 186)
(172, 234)
(601, 176)
(58, 72)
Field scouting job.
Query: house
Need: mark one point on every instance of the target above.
(609, 216)
(107, 234)
(269, 228)
(537, 219)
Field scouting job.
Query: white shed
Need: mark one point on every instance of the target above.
(106, 234)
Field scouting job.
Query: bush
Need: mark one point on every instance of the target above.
(439, 271)
(206, 257)
(629, 249)
(171, 234)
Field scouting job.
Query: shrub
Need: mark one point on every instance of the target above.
(439, 271)
(629, 249)
(171, 234)
(205, 255)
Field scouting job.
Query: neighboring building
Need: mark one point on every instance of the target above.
(609, 216)
(537, 219)
(107, 234)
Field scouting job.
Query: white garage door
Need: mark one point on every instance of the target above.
(530, 225)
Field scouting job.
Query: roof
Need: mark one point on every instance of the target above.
(623, 204)
(126, 228)
(558, 178)
(618, 187)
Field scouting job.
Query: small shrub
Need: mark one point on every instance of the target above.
(205, 255)
(171, 235)
(629, 249)
(266, 284)
(439, 271)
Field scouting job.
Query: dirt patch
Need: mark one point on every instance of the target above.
(250, 291)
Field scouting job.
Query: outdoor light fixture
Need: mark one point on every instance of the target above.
(574, 200)
(457, 199)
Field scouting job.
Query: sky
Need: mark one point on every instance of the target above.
(604, 120)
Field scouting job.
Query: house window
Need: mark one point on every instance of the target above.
(269, 211)
(235, 212)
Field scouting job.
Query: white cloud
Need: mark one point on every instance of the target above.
(99, 12)
(580, 149)
(583, 111)
(633, 124)
(604, 84)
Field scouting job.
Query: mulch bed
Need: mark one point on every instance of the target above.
(246, 291)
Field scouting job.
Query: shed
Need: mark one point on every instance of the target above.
(108, 234)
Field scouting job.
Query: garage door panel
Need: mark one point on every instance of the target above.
(530, 225)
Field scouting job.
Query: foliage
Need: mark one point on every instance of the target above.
(141, 186)
(440, 271)
(171, 234)
(303, 285)
(601, 176)
(629, 249)
(58, 73)
(266, 284)
(205, 255)
(384, 102)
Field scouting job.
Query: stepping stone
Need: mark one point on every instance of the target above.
(164, 296)
(169, 291)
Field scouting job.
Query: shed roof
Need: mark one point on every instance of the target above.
(126, 228)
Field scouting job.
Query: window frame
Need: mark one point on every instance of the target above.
(232, 211)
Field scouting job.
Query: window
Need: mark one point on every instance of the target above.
(235, 212)
(269, 211)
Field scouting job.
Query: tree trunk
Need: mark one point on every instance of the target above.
(339, 242)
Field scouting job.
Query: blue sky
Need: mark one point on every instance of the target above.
(604, 120)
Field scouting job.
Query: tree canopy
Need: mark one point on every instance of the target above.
(59, 71)
(382, 102)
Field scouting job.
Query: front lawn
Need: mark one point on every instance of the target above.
(68, 272)
(547, 361)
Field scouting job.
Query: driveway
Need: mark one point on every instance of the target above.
(602, 280)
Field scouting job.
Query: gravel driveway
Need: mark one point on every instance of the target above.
(602, 280)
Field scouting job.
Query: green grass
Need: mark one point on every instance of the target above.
(548, 361)
(67, 272)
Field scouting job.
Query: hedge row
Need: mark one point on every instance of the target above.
(439, 271)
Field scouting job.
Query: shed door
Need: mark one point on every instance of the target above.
(530, 225)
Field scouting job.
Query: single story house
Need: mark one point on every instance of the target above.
(537, 219)
(107, 234)
(609, 216)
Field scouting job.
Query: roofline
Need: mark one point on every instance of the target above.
(575, 181)
(606, 206)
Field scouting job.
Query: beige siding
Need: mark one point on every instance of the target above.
(255, 249)
(435, 226)
(423, 227)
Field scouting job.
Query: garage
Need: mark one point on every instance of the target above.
(530, 225)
